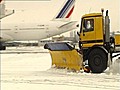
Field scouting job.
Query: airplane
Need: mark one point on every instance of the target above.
(36, 31)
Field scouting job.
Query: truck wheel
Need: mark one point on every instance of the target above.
(3, 48)
(97, 60)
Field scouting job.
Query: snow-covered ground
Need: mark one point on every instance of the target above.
(29, 68)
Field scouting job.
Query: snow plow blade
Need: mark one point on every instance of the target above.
(64, 56)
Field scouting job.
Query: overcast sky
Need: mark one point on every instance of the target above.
(39, 10)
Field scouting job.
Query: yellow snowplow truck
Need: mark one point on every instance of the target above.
(96, 45)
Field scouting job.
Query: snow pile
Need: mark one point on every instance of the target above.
(33, 71)
(115, 67)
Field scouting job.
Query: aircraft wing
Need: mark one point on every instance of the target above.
(3, 11)
(7, 13)
(69, 26)
(5, 37)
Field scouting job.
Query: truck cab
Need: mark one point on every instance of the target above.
(91, 31)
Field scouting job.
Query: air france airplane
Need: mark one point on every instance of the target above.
(36, 31)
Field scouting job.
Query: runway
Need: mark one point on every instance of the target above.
(33, 71)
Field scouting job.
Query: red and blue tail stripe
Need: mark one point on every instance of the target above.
(67, 9)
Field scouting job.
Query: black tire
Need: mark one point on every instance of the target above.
(3, 48)
(97, 60)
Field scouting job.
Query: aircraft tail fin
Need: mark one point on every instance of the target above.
(66, 11)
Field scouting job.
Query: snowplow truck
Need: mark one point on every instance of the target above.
(95, 43)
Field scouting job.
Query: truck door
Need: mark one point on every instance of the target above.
(87, 34)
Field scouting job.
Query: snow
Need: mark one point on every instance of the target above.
(29, 68)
